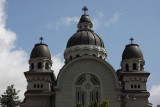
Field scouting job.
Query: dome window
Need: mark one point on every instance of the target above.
(39, 65)
(127, 67)
(32, 65)
(46, 66)
(77, 55)
(134, 66)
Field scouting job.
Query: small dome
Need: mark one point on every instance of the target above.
(85, 37)
(40, 50)
(85, 18)
(132, 51)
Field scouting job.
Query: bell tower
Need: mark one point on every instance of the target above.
(40, 78)
(133, 77)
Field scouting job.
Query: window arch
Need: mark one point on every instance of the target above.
(134, 66)
(32, 65)
(39, 65)
(127, 67)
(87, 89)
(141, 66)
(47, 66)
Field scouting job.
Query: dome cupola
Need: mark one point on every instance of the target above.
(40, 58)
(132, 51)
(84, 41)
(132, 57)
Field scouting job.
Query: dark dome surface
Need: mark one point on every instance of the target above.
(84, 18)
(85, 37)
(40, 50)
(132, 51)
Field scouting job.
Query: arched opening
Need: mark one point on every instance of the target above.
(47, 66)
(135, 86)
(41, 85)
(39, 65)
(141, 66)
(87, 88)
(77, 55)
(127, 67)
(34, 85)
(94, 54)
(139, 86)
(32, 65)
(38, 86)
(70, 58)
(134, 66)
(131, 86)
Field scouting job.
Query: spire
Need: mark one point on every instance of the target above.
(131, 40)
(85, 9)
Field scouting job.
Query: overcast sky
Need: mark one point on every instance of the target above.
(23, 22)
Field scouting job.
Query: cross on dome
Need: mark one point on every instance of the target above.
(131, 40)
(41, 39)
(85, 9)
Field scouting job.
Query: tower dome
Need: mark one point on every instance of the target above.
(40, 51)
(84, 41)
(40, 58)
(132, 51)
(132, 58)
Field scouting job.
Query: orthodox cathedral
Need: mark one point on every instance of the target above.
(86, 75)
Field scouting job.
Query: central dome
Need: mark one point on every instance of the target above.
(85, 38)
(85, 35)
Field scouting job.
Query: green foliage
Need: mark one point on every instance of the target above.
(105, 103)
(79, 104)
(93, 104)
(9, 98)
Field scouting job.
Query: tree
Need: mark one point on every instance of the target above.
(79, 104)
(93, 104)
(105, 103)
(9, 98)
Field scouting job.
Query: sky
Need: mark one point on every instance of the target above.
(23, 22)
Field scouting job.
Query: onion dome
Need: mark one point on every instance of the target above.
(132, 51)
(40, 51)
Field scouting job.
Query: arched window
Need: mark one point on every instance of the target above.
(131, 86)
(34, 85)
(38, 86)
(39, 65)
(41, 85)
(141, 66)
(87, 88)
(70, 57)
(77, 55)
(46, 66)
(139, 86)
(127, 67)
(134, 66)
(32, 65)
(135, 86)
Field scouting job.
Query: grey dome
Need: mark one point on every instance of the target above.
(132, 51)
(85, 37)
(85, 18)
(39, 51)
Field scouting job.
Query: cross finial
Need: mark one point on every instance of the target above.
(85, 9)
(131, 40)
(41, 39)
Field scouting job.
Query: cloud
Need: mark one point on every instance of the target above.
(96, 23)
(13, 61)
(65, 21)
(58, 62)
(155, 95)
(114, 18)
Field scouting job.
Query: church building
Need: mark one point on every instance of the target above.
(86, 75)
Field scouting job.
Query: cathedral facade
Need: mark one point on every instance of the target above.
(86, 75)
